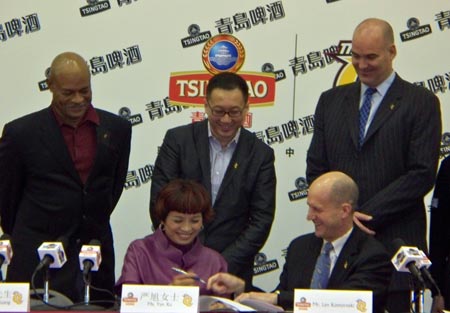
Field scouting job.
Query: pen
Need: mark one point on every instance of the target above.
(179, 270)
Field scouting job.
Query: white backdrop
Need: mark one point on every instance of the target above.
(154, 30)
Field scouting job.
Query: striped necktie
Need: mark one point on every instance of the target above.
(364, 113)
(322, 269)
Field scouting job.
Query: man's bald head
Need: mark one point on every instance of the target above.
(331, 200)
(67, 62)
(70, 83)
(376, 25)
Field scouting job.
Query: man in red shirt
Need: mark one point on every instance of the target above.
(63, 169)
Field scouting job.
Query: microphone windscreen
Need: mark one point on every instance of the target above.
(90, 253)
(396, 244)
(55, 251)
(6, 252)
(405, 256)
(5, 237)
(64, 241)
(94, 242)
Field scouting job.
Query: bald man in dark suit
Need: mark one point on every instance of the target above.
(393, 158)
(357, 261)
(62, 173)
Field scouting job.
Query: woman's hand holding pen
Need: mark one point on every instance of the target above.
(186, 278)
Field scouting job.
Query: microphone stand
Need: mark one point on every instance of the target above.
(45, 298)
(46, 295)
(87, 287)
(86, 305)
(417, 297)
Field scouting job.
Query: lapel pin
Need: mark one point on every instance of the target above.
(345, 264)
(392, 106)
(236, 165)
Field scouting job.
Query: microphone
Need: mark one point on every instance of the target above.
(6, 252)
(407, 259)
(52, 254)
(425, 263)
(90, 257)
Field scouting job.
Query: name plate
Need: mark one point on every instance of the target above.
(328, 301)
(159, 299)
(14, 297)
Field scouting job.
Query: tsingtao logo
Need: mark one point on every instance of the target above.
(129, 300)
(415, 30)
(195, 36)
(221, 53)
(262, 265)
(94, 7)
(445, 145)
(301, 190)
(134, 119)
(269, 68)
(302, 304)
(43, 84)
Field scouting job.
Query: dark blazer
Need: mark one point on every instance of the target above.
(396, 165)
(42, 196)
(440, 231)
(363, 264)
(245, 204)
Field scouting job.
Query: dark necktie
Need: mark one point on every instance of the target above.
(322, 269)
(364, 112)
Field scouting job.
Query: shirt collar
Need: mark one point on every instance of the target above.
(381, 88)
(233, 141)
(339, 243)
(167, 245)
(90, 116)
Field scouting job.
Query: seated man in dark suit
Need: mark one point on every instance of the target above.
(440, 237)
(356, 261)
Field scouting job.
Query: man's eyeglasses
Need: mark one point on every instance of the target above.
(218, 112)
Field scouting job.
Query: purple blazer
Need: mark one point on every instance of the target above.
(150, 261)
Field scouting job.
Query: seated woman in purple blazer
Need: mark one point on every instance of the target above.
(182, 206)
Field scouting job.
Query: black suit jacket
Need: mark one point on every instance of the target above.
(396, 165)
(440, 231)
(245, 203)
(363, 264)
(42, 196)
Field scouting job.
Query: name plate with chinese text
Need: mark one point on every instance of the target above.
(159, 299)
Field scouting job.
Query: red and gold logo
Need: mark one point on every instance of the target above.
(303, 304)
(221, 53)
